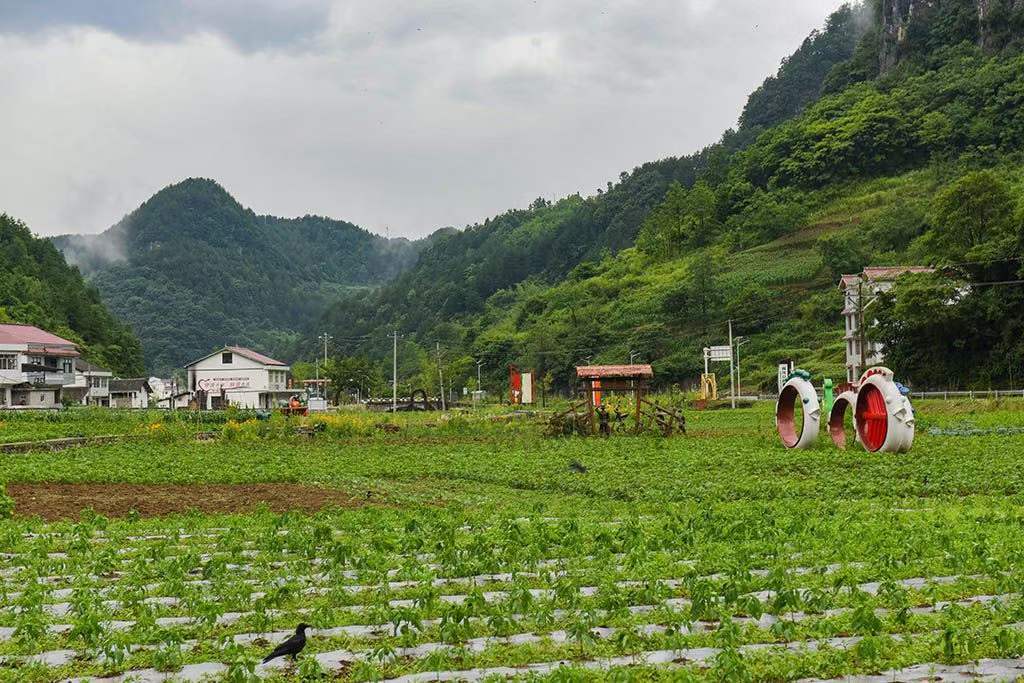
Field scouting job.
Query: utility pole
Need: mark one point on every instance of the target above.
(440, 377)
(479, 385)
(732, 377)
(861, 332)
(394, 374)
(325, 338)
(322, 389)
(632, 355)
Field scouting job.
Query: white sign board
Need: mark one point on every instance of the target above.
(215, 385)
(527, 388)
(317, 404)
(784, 372)
(723, 353)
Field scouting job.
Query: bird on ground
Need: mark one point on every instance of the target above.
(292, 646)
(578, 467)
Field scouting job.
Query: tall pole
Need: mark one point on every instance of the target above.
(732, 377)
(322, 390)
(440, 377)
(862, 333)
(394, 374)
(326, 338)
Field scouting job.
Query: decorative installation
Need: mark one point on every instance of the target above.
(882, 415)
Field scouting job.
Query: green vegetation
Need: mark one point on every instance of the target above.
(865, 149)
(191, 269)
(718, 556)
(38, 288)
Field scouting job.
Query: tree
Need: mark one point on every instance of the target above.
(843, 253)
(697, 296)
(974, 218)
(352, 374)
(686, 219)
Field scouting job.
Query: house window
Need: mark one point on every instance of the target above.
(68, 365)
(226, 358)
(8, 361)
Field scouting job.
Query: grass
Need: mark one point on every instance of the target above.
(714, 546)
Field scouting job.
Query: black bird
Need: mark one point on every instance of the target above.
(578, 467)
(292, 646)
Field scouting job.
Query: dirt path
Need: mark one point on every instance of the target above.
(53, 501)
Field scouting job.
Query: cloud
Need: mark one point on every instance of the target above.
(250, 24)
(397, 116)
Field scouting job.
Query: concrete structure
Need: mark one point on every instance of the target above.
(35, 366)
(178, 401)
(130, 393)
(873, 281)
(240, 377)
(91, 386)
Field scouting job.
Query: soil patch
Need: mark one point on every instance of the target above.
(53, 501)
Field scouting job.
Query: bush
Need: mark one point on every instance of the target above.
(6, 503)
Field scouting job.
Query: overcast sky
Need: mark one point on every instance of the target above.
(402, 115)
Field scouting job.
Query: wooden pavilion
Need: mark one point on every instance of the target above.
(598, 380)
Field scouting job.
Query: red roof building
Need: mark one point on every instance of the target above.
(16, 333)
(35, 366)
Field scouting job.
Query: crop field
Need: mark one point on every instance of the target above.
(425, 547)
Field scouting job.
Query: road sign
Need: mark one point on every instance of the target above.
(720, 353)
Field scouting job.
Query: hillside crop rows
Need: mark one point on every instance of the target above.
(479, 554)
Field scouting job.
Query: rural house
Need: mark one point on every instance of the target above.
(869, 284)
(35, 366)
(130, 393)
(91, 386)
(240, 377)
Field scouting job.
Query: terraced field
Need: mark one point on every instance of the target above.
(480, 554)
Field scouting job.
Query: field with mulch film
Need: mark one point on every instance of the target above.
(472, 547)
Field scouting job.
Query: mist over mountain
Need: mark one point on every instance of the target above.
(37, 287)
(192, 269)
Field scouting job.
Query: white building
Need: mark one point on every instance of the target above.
(873, 281)
(240, 377)
(35, 366)
(130, 393)
(91, 386)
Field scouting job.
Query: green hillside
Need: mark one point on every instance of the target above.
(191, 269)
(38, 287)
(905, 111)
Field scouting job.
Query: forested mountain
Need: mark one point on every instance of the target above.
(842, 159)
(192, 269)
(38, 287)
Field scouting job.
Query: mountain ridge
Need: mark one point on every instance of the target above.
(191, 268)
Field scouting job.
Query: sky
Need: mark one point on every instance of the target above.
(401, 117)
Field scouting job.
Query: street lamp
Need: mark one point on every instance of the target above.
(479, 382)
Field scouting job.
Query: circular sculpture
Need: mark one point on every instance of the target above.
(798, 388)
(845, 402)
(883, 415)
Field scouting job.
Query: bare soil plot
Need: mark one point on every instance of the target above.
(53, 501)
